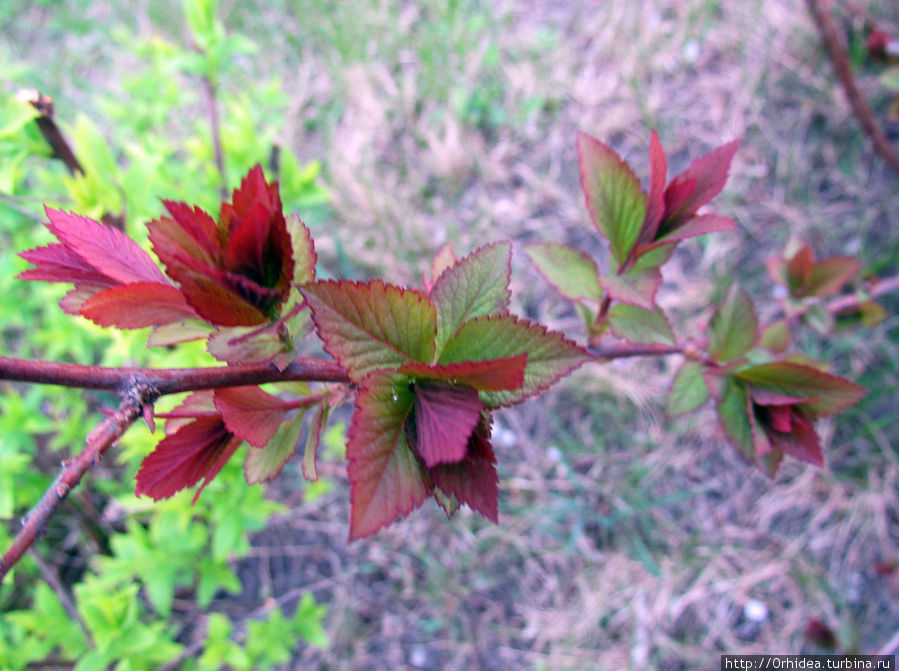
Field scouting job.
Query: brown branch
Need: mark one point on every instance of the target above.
(167, 380)
(49, 129)
(98, 441)
(827, 29)
(627, 350)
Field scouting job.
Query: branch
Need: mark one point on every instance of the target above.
(167, 380)
(827, 29)
(49, 129)
(98, 441)
(209, 93)
(627, 350)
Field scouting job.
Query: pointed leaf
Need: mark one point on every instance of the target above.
(830, 275)
(571, 272)
(637, 325)
(688, 390)
(372, 326)
(386, 480)
(655, 208)
(474, 286)
(445, 416)
(709, 174)
(195, 404)
(105, 248)
(178, 332)
(832, 394)
(443, 259)
(313, 438)
(695, 226)
(800, 442)
(266, 463)
(304, 256)
(492, 375)
(732, 329)
(135, 306)
(57, 263)
(614, 199)
(473, 480)
(635, 287)
(196, 451)
(550, 355)
(250, 413)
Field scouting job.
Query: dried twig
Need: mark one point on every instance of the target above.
(49, 129)
(827, 28)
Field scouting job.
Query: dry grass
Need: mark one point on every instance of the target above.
(626, 541)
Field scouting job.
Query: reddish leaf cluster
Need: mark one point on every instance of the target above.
(236, 271)
(430, 368)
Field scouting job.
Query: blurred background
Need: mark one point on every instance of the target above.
(626, 540)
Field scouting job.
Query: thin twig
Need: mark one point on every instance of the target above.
(51, 577)
(210, 95)
(98, 441)
(45, 123)
(167, 380)
(827, 29)
(626, 350)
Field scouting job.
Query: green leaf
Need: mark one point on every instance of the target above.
(372, 326)
(474, 286)
(265, 463)
(303, 248)
(570, 271)
(889, 79)
(732, 329)
(733, 415)
(550, 355)
(830, 393)
(688, 390)
(16, 114)
(638, 325)
(307, 622)
(614, 198)
(776, 337)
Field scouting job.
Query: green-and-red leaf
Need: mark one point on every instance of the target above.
(250, 413)
(734, 416)
(492, 375)
(267, 462)
(635, 287)
(445, 416)
(550, 355)
(732, 330)
(304, 256)
(572, 272)
(830, 275)
(655, 208)
(831, 393)
(641, 326)
(614, 199)
(474, 286)
(134, 306)
(386, 480)
(372, 326)
(313, 438)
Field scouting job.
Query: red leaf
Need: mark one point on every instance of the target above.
(250, 413)
(827, 394)
(699, 225)
(105, 248)
(799, 268)
(197, 225)
(386, 479)
(473, 480)
(196, 451)
(655, 207)
(134, 306)
(708, 174)
(801, 442)
(493, 375)
(445, 416)
(57, 263)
